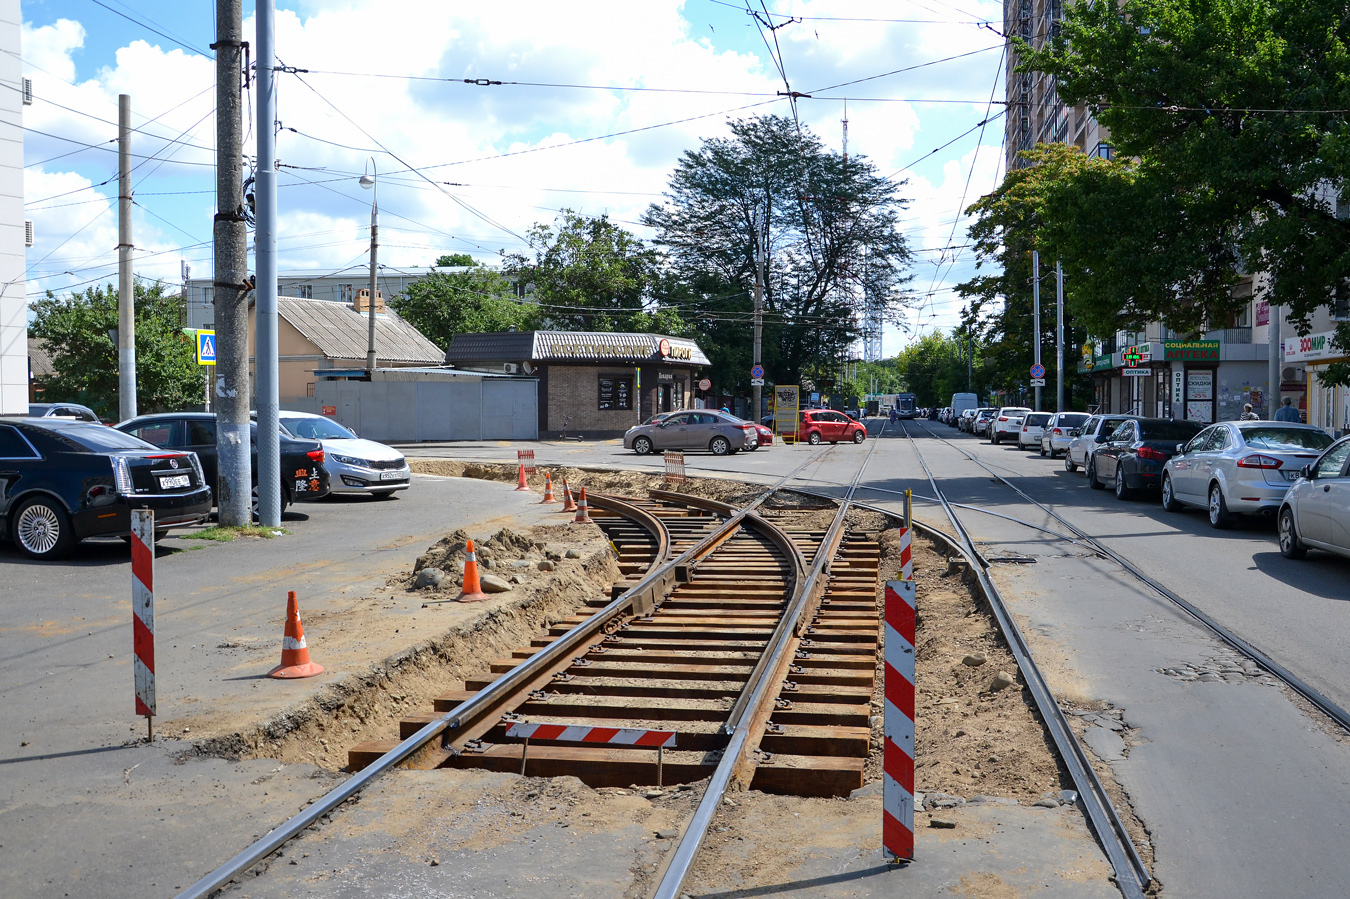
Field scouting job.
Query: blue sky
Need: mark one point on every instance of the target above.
(487, 162)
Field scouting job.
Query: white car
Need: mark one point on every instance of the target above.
(1007, 423)
(1058, 432)
(1033, 425)
(1086, 438)
(354, 465)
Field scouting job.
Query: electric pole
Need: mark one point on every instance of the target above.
(265, 243)
(1059, 366)
(1036, 316)
(759, 319)
(126, 288)
(1274, 363)
(233, 443)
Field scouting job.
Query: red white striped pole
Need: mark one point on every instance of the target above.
(143, 613)
(906, 557)
(580, 733)
(897, 792)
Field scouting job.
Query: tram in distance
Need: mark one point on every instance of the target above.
(902, 403)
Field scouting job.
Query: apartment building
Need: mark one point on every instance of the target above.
(14, 233)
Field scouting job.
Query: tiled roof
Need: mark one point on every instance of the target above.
(339, 332)
(39, 360)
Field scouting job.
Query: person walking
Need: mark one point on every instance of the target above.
(1248, 414)
(1287, 412)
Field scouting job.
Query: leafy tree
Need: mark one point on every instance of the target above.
(444, 304)
(829, 230)
(934, 367)
(1234, 111)
(74, 329)
(455, 260)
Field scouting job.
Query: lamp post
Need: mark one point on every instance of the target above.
(368, 181)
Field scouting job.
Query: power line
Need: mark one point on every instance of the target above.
(181, 43)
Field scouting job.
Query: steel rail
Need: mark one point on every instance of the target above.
(1131, 874)
(504, 685)
(1296, 683)
(681, 859)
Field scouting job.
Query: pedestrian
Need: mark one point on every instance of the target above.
(1287, 412)
(1248, 414)
(894, 417)
(728, 411)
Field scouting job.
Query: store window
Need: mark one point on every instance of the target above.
(616, 392)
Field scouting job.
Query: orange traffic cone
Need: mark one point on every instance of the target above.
(568, 505)
(472, 591)
(548, 489)
(294, 653)
(583, 513)
(520, 481)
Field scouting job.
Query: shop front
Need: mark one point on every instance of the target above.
(1328, 404)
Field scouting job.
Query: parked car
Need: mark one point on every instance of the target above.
(965, 419)
(303, 477)
(64, 480)
(62, 410)
(1007, 423)
(717, 432)
(1085, 439)
(1237, 467)
(354, 465)
(825, 425)
(1033, 426)
(979, 425)
(1058, 433)
(1134, 455)
(1315, 512)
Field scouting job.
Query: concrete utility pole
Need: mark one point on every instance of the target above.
(233, 486)
(371, 181)
(126, 288)
(1274, 364)
(1036, 315)
(1059, 337)
(265, 243)
(759, 319)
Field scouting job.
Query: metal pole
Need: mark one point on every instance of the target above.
(233, 438)
(759, 319)
(126, 288)
(374, 245)
(1036, 316)
(265, 242)
(1274, 370)
(1059, 336)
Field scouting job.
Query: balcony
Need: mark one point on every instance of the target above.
(1230, 336)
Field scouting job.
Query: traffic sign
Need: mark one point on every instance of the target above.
(705, 384)
(1038, 370)
(756, 382)
(1038, 382)
(757, 372)
(206, 347)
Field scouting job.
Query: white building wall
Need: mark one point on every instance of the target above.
(13, 286)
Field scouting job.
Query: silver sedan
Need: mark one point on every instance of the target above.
(1316, 510)
(1236, 467)
(719, 433)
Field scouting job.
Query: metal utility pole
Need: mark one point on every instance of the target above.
(233, 485)
(1059, 336)
(759, 318)
(265, 242)
(1274, 364)
(371, 182)
(126, 289)
(1036, 315)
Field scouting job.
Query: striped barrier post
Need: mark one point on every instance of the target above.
(675, 467)
(526, 458)
(660, 740)
(143, 613)
(897, 793)
(906, 556)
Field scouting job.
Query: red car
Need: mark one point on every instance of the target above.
(765, 436)
(826, 425)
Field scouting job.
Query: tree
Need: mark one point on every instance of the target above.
(588, 274)
(444, 304)
(1234, 111)
(934, 367)
(74, 330)
(829, 232)
(455, 260)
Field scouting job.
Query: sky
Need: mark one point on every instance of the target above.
(599, 99)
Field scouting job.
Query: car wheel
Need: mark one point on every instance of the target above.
(285, 501)
(859, 436)
(1042, 448)
(1069, 464)
(1092, 475)
(720, 446)
(751, 449)
(642, 445)
(1122, 489)
(42, 530)
(1290, 546)
(993, 438)
(814, 438)
(1169, 499)
(1219, 516)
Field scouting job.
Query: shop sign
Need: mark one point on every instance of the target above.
(1263, 312)
(609, 349)
(1192, 350)
(1312, 348)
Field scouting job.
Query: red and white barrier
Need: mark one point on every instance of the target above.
(623, 736)
(897, 792)
(675, 468)
(143, 610)
(906, 559)
(526, 458)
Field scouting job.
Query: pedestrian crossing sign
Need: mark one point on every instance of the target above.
(206, 347)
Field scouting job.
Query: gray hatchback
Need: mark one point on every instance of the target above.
(716, 432)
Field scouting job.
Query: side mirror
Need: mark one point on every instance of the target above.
(1307, 472)
(1181, 448)
(1102, 438)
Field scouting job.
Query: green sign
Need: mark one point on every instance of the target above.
(1191, 350)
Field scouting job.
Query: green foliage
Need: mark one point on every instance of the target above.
(934, 367)
(1234, 112)
(830, 230)
(455, 260)
(74, 329)
(444, 304)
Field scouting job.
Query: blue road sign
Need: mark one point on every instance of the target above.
(1038, 370)
(757, 371)
(206, 347)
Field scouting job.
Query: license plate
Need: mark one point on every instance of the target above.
(1292, 475)
(391, 476)
(178, 480)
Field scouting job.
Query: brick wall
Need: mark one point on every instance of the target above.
(574, 390)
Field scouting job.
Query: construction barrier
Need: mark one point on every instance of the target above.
(675, 468)
(143, 612)
(526, 458)
(897, 791)
(548, 490)
(568, 504)
(295, 660)
(472, 591)
(580, 733)
(906, 556)
(520, 479)
(583, 512)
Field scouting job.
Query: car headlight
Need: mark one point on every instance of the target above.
(350, 460)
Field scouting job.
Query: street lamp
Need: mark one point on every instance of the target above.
(368, 181)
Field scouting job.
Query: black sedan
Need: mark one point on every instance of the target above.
(63, 480)
(303, 476)
(1132, 458)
